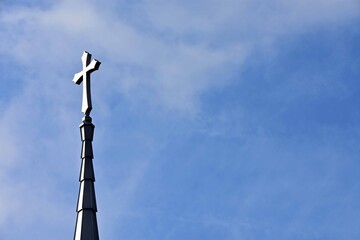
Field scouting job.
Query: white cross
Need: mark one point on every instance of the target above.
(84, 75)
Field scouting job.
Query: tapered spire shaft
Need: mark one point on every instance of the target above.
(86, 223)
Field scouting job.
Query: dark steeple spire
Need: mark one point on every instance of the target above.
(86, 223)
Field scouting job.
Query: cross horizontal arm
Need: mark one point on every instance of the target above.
(92, 67)
(78, 78)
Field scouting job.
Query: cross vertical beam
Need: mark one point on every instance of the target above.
(86, 223)
(84, 76)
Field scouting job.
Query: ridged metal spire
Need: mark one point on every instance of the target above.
(86, 223)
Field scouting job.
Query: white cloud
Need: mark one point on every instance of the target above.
(176, 49)
(171, 56)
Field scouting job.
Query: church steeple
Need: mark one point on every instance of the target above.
(86, 223)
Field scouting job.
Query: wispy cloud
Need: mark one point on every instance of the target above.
(164, 55)
(175, 53)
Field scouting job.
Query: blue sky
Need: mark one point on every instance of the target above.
(214, 119)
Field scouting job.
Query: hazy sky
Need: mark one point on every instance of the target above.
(232, 119)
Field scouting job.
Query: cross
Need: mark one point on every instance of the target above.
(84, 76)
